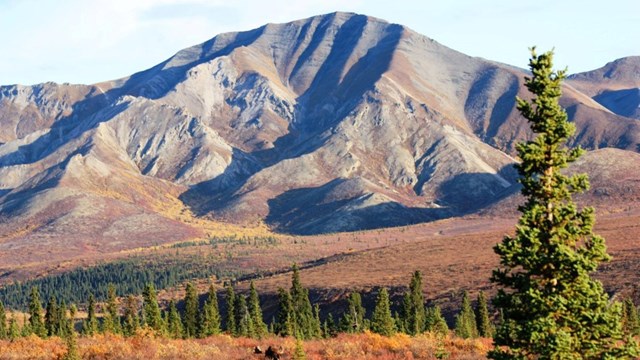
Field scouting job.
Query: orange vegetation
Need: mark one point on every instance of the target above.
(346, 346)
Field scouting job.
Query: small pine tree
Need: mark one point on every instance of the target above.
(381, 321)
(552, 308)
(62, 328)
(174, 322)
(304, 321)
(90, 326)
(14, 329)
(51, 316)
(466, 319)
(191, 310)
(630, 320)
(435, 322)
(255, 311)
(210, 322)
(244, 323)
(413, 311)
(111, 321)
(36, 318)
(483, 322)
(151, 309)
(131, 319)
(298, 352)
(352, 320)
(4, 333)
(285, 324)
(72, 347)
(231, 313)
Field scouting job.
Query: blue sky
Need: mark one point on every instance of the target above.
(83, 41)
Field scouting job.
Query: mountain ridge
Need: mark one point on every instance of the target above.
(337, 122)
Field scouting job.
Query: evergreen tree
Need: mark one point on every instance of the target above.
(630, 320)
(174, 322)
(26, 330)
(298, 351)
(14, 329)
(4, 333)
(381, 320)
(285, 325)
(331, 329)
(191, 310)
(413, 311)
(255, 311)
(151, 309)
(316, 325)
(353, 319)
(111, 321)
(62, 326)
(552, 308)
(244, 323)
(36, 320)
(483, 322)
(51, 316)
(210, 321)
(466, 319)
(434, 320)
(90, 326)
(231, 313)
(70, 322)
(304, 322)
(131, 319)
(72, 347)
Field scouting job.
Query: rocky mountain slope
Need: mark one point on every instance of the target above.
(333, 123)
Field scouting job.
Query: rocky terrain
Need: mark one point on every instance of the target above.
(337, 122)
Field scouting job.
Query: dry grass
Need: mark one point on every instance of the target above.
(346, 346)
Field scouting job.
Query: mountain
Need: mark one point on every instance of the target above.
(337, 122)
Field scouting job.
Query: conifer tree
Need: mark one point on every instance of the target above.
(285, 325)
(191, 310)
(4, 333)
(381, 321)
(330, 326)
(151, 309)
(51, 315)
(111, 321)
(36, 320)
(413, 311)
(62, 327)
(630, 320)
(26, 330)
(72, 347)
(231, 313)
(255, 311)
(70, 323)
(552, 308)
(483, 322)
(466, 319)
(298, 351)
(434, 321)
(304, 322)
(131, 319)
(14, 329)
(90, 326)
(244, 323)
(353, 319)
(174, 322)
(210, 322)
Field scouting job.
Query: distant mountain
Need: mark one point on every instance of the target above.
(333, 123)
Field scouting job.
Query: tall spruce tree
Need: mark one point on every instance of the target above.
(285, 325)
(466, 319)
(413, 310)
(131, 319)
(191, 310)
(14, 328)
(150, 309)
(36, 319)
(174, 322)
(210, 321)
(4, 333)
(352, 320)
(90, 326)
(244, 323)
(483, 321)
(255, 310)
(111, 321)
(552, 308)
(231, 313)
(381, 321)
(51, 317)
(434, 321)
(305, 325)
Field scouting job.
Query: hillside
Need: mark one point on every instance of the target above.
(338, 122)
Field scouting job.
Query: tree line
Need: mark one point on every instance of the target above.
(243, 317)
